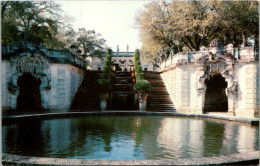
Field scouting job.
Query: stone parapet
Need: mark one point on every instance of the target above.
(246, 54)
(184, 75)
(53, 56)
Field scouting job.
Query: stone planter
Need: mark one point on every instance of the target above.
(103, 101)
(142, 100)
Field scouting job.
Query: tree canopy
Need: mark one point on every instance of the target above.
(91, 42)
(175, 26)
(42, 22)
(29, 21)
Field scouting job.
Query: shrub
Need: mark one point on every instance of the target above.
(139, 69)
(137, 63)
(104, 85)
(137, 53)
(140, 76)
(107, 63)
(109, 51)
(106, 69)
(105, 75)
(142, 85)
(108, 58)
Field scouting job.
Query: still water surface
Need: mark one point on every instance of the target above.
(128, 137)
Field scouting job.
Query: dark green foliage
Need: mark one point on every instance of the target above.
(104, 75)
(107, 63)
(142, 85)
(104, 85)
(140, 76)
(109, 51)
(137, 63)
(106, 69)
(104, 82)
(139, 69)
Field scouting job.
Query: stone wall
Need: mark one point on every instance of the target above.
(182, 72)
(64, 82)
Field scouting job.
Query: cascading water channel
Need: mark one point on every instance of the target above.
(123, 95)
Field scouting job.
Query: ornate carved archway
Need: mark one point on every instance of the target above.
(211, 65)
(32, 63)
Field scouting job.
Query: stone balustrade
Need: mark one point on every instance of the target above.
(183, 76)
(54, 56)
(246, 54)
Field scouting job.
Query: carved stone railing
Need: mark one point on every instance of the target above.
(54, 56)
(246, 54)
(180, 58)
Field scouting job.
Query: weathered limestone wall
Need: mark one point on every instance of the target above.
(248, 92)
(65, 81)
(181, 75)
(8, 100)
(181, 86)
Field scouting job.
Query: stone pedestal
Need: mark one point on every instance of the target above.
(142, 100)
(103, 101)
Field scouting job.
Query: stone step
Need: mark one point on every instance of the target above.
(162, 109)
(154, 98)
(157, 94)
(160, 92)
(161, 104)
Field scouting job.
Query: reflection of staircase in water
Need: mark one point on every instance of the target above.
(158, 98)
(87, 99)
(123, 94)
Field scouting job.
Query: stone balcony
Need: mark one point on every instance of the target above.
(246, 54)
(53, 56)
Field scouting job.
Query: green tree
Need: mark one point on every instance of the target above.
(91, 42)
(187, 25)
(39, 22)
(34, 21)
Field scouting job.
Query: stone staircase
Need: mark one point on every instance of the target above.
(87, 99)
(158, 98)
(123, 92)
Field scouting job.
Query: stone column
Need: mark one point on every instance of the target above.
(201, 100)
(231, 106)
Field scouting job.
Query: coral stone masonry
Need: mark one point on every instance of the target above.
(225, 82)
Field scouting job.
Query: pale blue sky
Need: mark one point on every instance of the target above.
(114, 20)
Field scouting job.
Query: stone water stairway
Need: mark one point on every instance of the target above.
(87, 99)
(158, 98)
(123, 88)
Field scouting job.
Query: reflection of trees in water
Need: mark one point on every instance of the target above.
(101, 131)
(153, 137)
(26, 138)
(214, 134)
(146, 133)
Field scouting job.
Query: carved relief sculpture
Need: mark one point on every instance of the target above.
(213, 64)
(33, 64)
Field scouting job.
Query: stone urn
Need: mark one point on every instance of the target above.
(142, 96)
(103, 101)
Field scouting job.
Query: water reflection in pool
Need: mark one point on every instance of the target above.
(128, 137)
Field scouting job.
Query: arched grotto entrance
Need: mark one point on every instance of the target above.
(215, 97)
(29, 98)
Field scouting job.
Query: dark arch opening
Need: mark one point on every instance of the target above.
(29, 98)
(215, 97)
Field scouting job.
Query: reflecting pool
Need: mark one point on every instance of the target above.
(128, 137)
